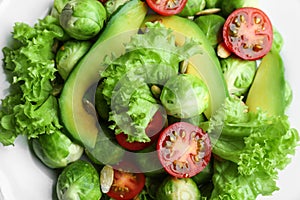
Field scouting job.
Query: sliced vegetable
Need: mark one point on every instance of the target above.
(183, 149)
(248, 33)
(178, 189)
(167, 7)
(152, 130)
(79, 180)
(127, 183)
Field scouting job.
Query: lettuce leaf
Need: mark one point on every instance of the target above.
(30, 109)
(252, 147)
(150, 58)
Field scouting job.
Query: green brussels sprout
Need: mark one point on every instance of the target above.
(185, 96)
(228, 7)
(213, 3)
(56, 150)
(178, 189)
(69, 54)
(78, 181)
(83, 19)
(192, 7)
(58, 6)
(212, 26)
(238, 74)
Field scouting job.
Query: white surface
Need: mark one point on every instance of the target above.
(24, 177)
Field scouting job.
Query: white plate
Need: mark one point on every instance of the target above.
(22, 176)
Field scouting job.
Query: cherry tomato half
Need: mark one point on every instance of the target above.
(166, 7)
(154, 127)
(248, 33)
(126, 184)
(183, 149)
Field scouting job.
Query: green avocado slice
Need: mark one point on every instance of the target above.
(268, 88)
(205, 65)
(77, 113)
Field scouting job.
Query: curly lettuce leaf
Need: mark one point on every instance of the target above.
(150, 58)
(230, 184)
(29, 109)
(258, 145)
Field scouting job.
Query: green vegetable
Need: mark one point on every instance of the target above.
(83, 19)
(79, 180)
(228, 7)
(277, 40)
(212, 26)
(113, 5)
(126, 79)
(106, 150)
(178, 189)
(83, 127)
(269, 84)
(30, 109)
(56, 150)
(185, 96)
(239, 74)
(258, 145)
(69, 54)
(58, 6)
(192, 7)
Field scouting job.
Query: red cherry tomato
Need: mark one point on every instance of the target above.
(152, 130)
(183, 149)
(248, 33)
(127, 183)
(166, 7)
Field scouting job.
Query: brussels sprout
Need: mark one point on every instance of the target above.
(113, 5)
(185, 96)
(56, 150)
(83, 19)
(79, 181)
(69, 54)
(192, 7)
(178, 189)
(58, 6)
(213, 3)
(238, 74)
(212, 26)
(228, 6)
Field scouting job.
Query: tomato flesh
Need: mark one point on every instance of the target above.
(126, 184)
(154, 127)
(248, 33)
(183, 149)
(166, 7)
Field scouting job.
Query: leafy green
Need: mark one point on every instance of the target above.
(255, 145)
(30, 109)
(150, 58)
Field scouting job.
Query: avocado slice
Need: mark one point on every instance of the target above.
(205, 65)
(268, 88)
(77, 112)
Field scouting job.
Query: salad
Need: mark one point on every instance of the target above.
(140, 105)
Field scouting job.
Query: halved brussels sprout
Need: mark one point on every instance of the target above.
(79, 180)
(178, 189)
(69, 54)
(185, 96)
(56, 150)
